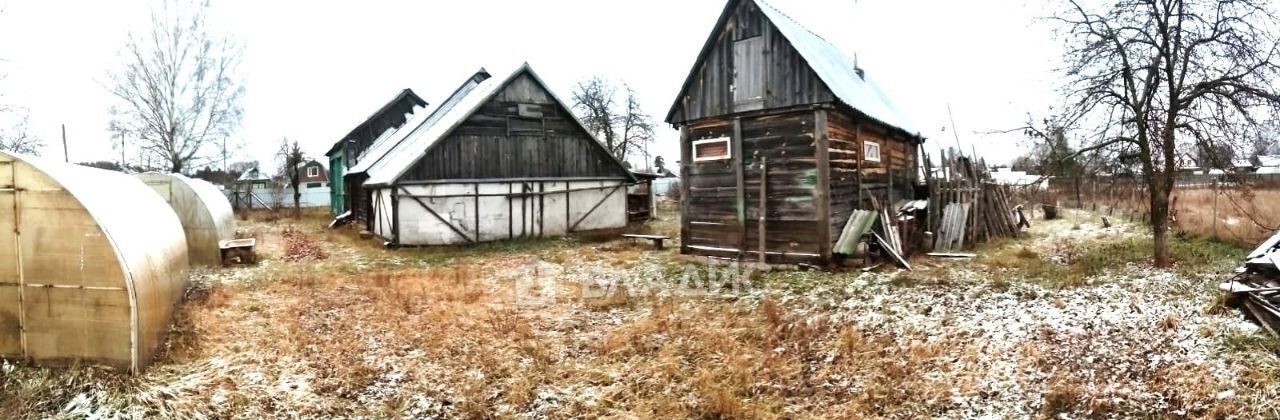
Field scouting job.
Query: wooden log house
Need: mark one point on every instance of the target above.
(780, 128)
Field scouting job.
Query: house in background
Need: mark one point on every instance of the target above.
(1268, 164)
(257, 190)
(501, 158)
(352, 147)
(312, 174)
(313, 185)
(776, 121)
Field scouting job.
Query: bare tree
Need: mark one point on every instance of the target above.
(178, 90)
(594, 101)
(291, 159)
(626, 130)
(637, 129)
(18, 139)
(1156, 77)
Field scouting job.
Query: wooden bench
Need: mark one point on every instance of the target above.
(656, 239)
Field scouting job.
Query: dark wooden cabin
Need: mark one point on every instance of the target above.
(348, 151)
(768, 99)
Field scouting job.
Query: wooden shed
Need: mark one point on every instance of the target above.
(93, 265)
(365, 142)
(501, 158)
(776, 121)
(204, 211)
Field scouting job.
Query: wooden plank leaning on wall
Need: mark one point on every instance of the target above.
(822, 191)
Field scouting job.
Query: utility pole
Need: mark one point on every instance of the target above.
(66, 154)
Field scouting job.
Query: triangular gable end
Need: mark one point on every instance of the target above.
(824, 74)
(422, 121)
(404, 102)
(707, 90)
(435, 138)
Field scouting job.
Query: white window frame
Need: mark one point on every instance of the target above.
(728, 149)
(313, 172)
(867, 146)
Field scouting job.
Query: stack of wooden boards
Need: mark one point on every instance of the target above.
(888, 238)
(971, 208)
(1257, 285)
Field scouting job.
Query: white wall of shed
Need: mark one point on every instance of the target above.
(512, 215)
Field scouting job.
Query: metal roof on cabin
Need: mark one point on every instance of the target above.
(419, 141)
(837, 70)
(377, 165)
(406, 94)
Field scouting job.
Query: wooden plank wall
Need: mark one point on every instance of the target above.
(520, 133)
(788, 80)
(713, 220)
(898, 157)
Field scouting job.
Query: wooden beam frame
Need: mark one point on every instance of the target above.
(857, 135)
(686, 163)
(593, 208)
(395, 216)
(822, 191)
(740, 189)
(455, 229)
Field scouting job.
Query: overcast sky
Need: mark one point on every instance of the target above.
(316, 69)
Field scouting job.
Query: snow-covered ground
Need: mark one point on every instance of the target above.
(567, 328)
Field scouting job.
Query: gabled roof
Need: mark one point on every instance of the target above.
(1269, 161)
(840, 73)
(406, 94)
(420, 139)
(253, 175)
(374, 158)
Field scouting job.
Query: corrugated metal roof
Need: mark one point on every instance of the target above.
(379, 148)
(405, 94)
(410, 136)
(838, 71)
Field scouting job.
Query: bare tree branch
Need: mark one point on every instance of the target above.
(178, 91)
(1170, 76)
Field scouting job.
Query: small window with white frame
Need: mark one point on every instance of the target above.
(711, 149)
(871, 151)
(313, 172)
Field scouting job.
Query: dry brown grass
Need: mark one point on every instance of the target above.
(373, 333)
(1243, 216)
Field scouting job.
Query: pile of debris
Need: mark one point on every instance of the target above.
(1256, 285)
(885, 231)
(974, 208)
(299, 246)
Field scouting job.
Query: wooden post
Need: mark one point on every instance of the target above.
(857, 136)
(66, 154)
(760, 224)
(1215, 209)
(542, 212)
(511, 212)
(395, 215)
(822, 191)
(735, 150)
(887, 157)
(686, 163)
